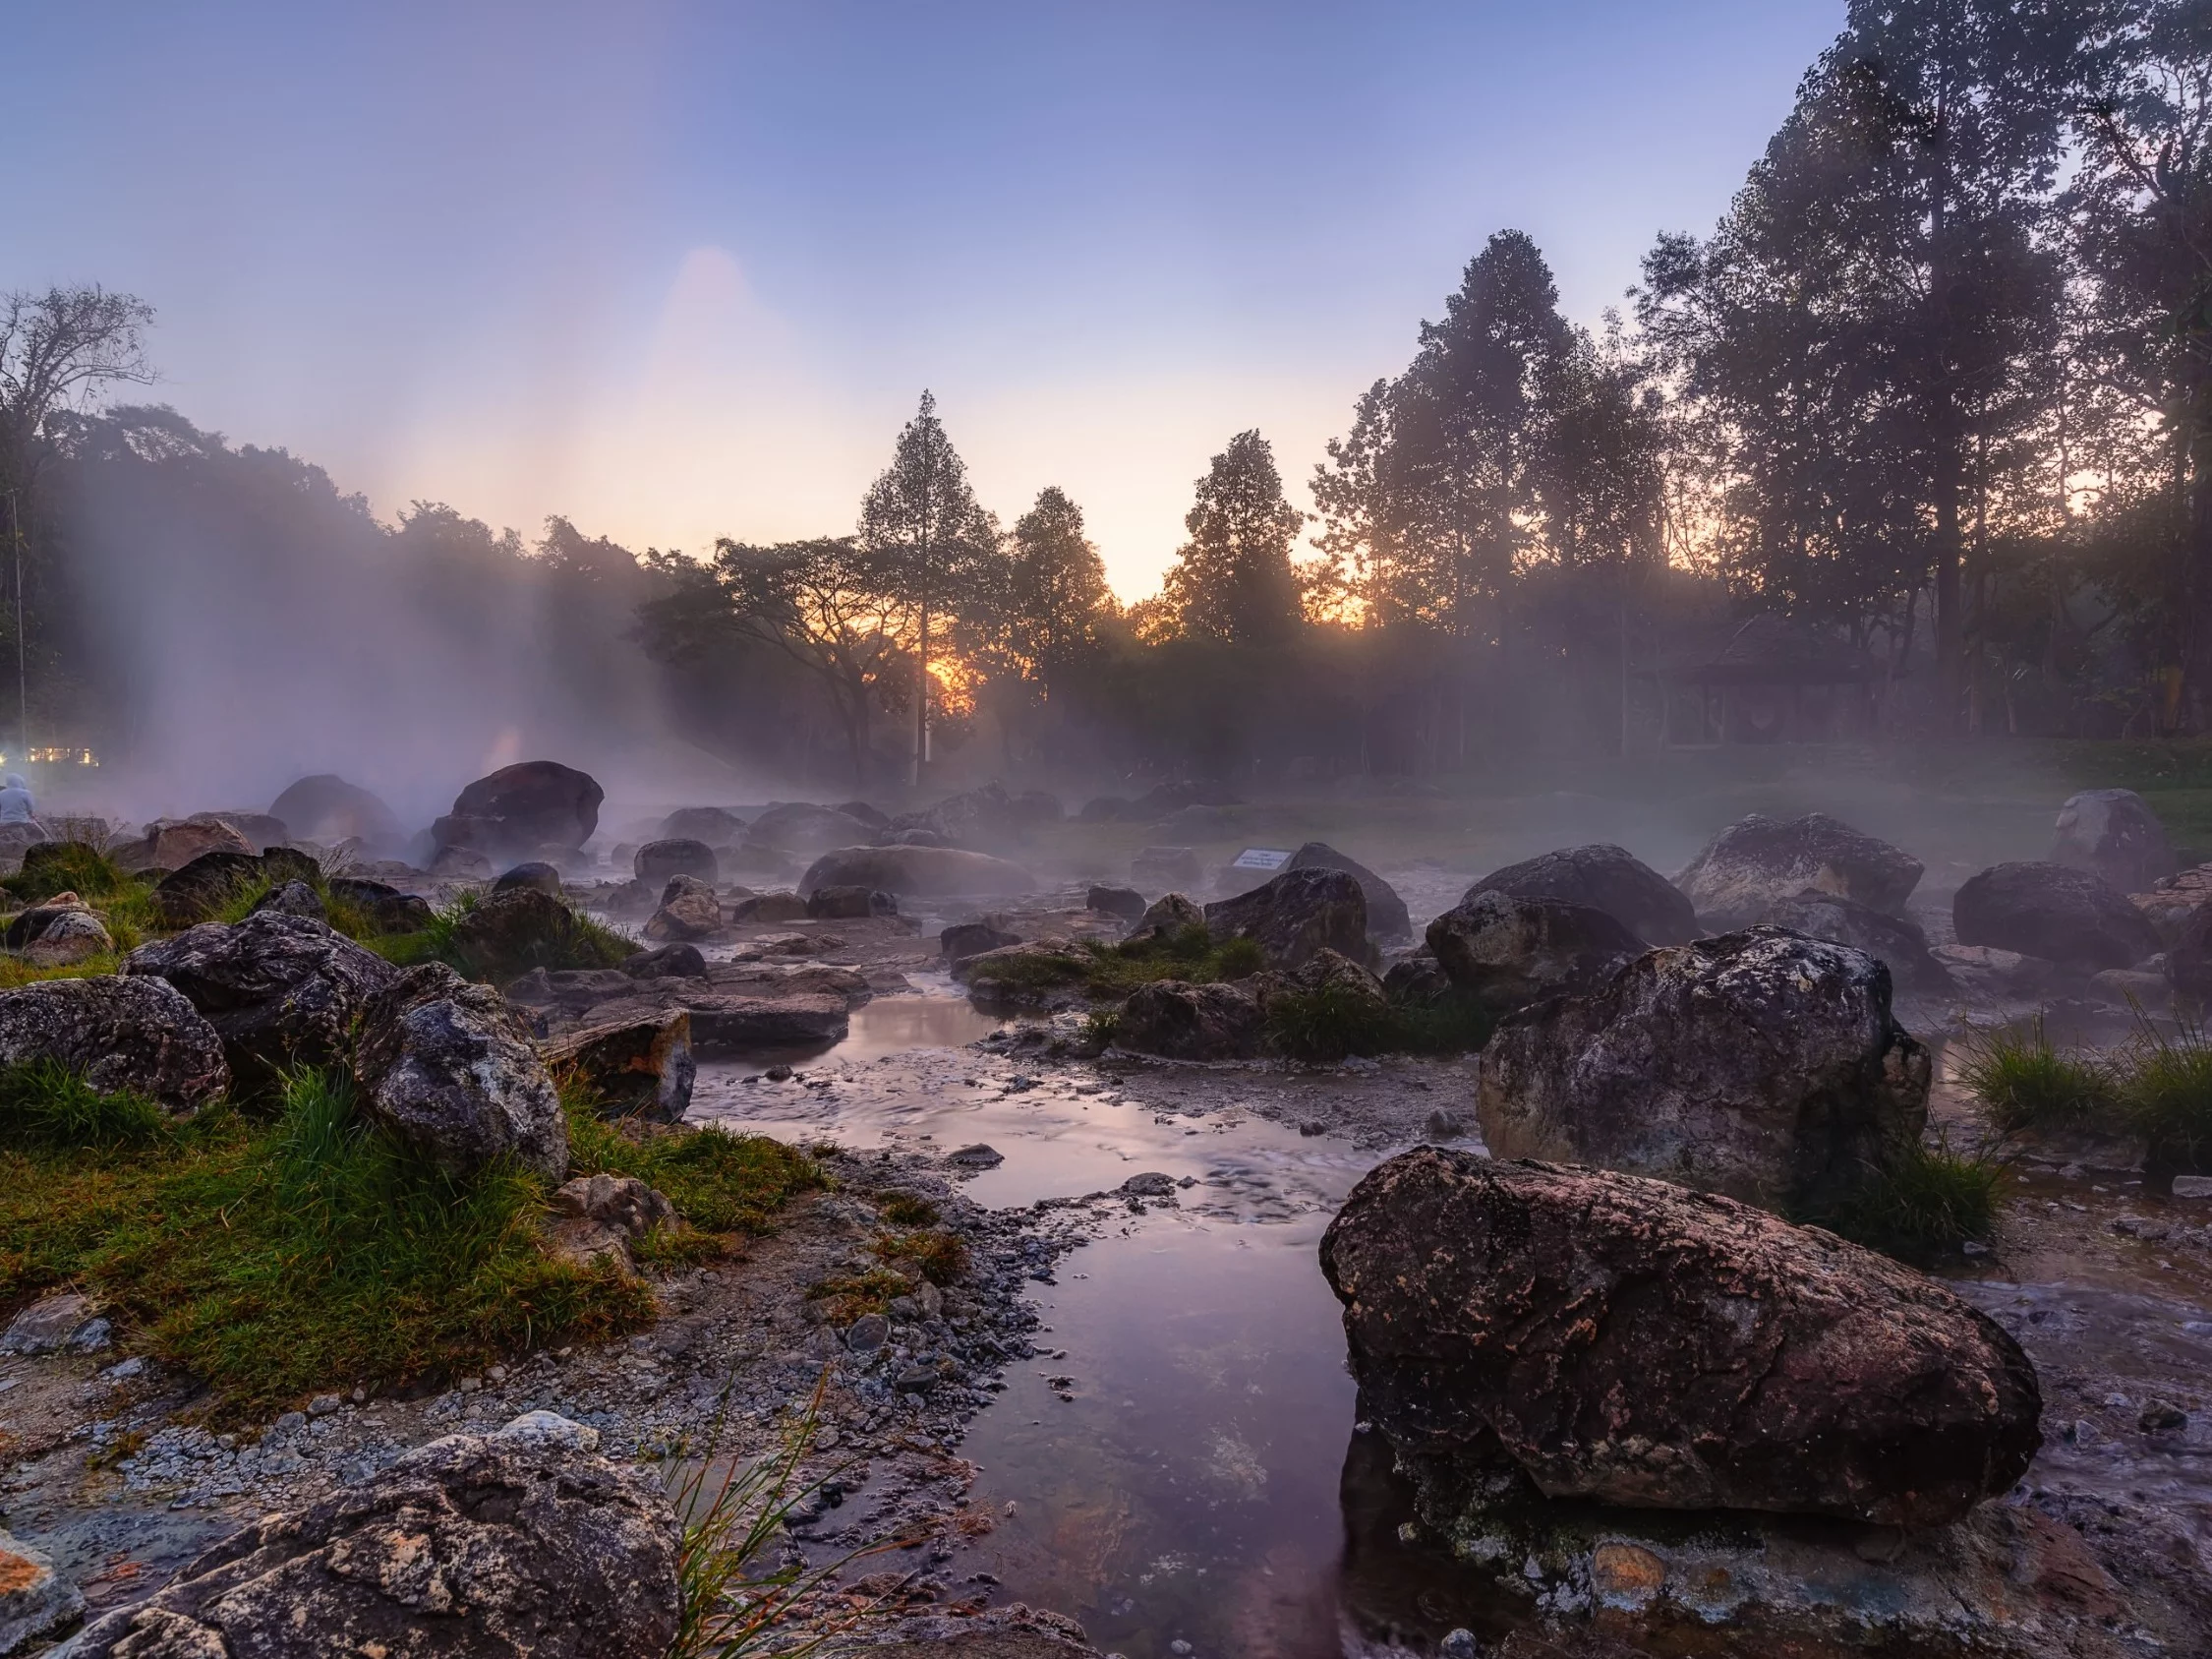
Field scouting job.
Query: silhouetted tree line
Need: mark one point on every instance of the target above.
(1938, 387)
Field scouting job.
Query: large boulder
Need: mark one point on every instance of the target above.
(797, 826)
(964, 940)
(1506, 949)
(1295, 915)
(1760, 1064)
(1126, 903)
(520, 1544)
(1166, 917)
(204, 886)
(2188, 960)
(2064, 914)
(280, 990)
(1387, 918)
(657, 861)
(170, 846)
(849, 904)
(119, 1034)
(1625, 1340)
(449, 1069)
(261, 830)
(639, 1068)
(522, 809)
(1605, 877)
(920, 873)
(1893, 939)
(326, 808)
(1184, 1022)
(522, 928)
(981, 818)
(1757, 859)
(59, 932)
(714, 826)
(534, 874)
(2113, 834)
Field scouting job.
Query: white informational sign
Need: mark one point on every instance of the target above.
(1260, 858)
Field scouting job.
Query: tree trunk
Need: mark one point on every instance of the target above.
(921, 700)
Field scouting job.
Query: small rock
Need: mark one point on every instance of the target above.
(1152, 1183)
(2192, 1186)
(1313, 1126)
(49, 1325)
(2158, 1417)
(867, 1334)
(548, 1429)
(324, 1405)
(35, 1599)
(1458, 1644)
(778, 1073)
(977, 1156)
(1445, 1126)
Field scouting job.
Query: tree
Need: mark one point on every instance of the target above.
(1234, 581)
(936, 545)
(1055, 596)
(834, 605)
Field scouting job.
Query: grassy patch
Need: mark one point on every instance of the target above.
(123, 901)
(276, 1258)
(1189, 954)
(1328, 1024)
(844, 1298)
(909, 1209)
(2165, 1089)
(2022, 1082)
(581, 942)
(1455, 1024)
(1925, 1202)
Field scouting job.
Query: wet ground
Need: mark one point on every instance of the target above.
(1181, 1470)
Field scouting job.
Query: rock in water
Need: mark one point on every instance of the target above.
(521, 808)
(1625, 1340)
(280, 990)
(1387, 918)
(713, 825)
(1760, 1064)
(520, 1544)
(929, 872)
(2065, 915)
(326, 808)
(1508, 949)
(795, 826)
(688, 910)
(534, 876)
(118, 1033)
(1895, 940)
(657, 861)
(1606, 878)
(449, 1069)
(2113, 834)
(768, 909)
(849, 904)
(1757, 859)
(639, 1068)
(1296, 914)
(682, 962)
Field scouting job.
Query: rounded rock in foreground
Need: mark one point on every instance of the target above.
(1627, 1340)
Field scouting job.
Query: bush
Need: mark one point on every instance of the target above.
(2022, 1082)
(1329, 1022)
(1924, 1203)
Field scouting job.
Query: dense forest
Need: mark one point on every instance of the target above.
(1933, 400)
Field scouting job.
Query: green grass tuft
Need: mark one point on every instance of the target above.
(2022, 1082)
(2165, 1089)
(44, 1105)
(1925, 1202)
(1329, 1022)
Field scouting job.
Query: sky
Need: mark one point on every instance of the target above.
(679, 271)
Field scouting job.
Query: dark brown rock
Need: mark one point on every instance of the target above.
(1760, 1064)
(535, 876)
(681, 961)
(281, 990)
(1507, 949)
(2065, 915)
(118, 1033)
(688, 910)
(964, 940)
(1630, 1341)
(1387, 918)
(935, 873)
(448, 1068)
(639, 1068)
(204, 886)
(769, 907)
(1605, 877)
(849, 904)
(522, 928)
(657, 861)
(714, 826)
(520, 808)
(1295, 915)
(1123, 902)
(172, 844)
(1184, 1022)
(1757, 859)
(520, 1544)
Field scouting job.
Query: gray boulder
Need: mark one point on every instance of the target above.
(657, 861)
(713, 825)
(521, 808)
(964, 940)
(2063, 915)
(327, 809)
(1123, 902)
(1757, 859)
(281, 990)
(920, 873)
(688, 910)
(2114, 835)
(535, 876)
(520, 1544)
(796, 826)
(1184, 1022)
(1295, 915)
(1166, 917)
(1605, 877)
(118, 1033)
(450, 1070)
(1893, 939)
(1387, 918)
(849, 904)
(58, 933)
(1507, 949)
(295, 899)
(1760, 1064)
(1623, 1340)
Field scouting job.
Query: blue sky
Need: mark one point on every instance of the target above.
(680, 269)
